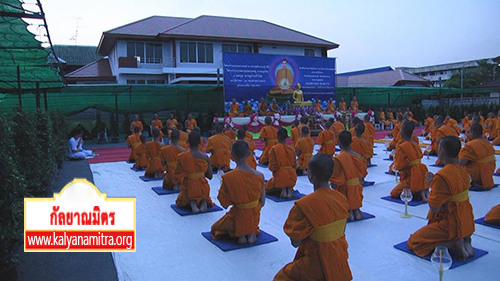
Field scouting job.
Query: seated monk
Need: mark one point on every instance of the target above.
(136, 123)
(382, 119)
(369, 130)
(330, 107)
(317, 106)
(243, 188)
(316, 225)
(478, 157)
(190, 123)
(274, 108)
(201, 146)
(172, 122)
(139, 150)
(234, 109)
(194, 168)
(132, 140)
(354, 103)
(183, 136)
(468, 123)
(295, 132)
(408, 162)
(481, 117)
(342, 105)
(282, 163)
(348, 176)
(390, 116)
(251, 147)
(493, 216)
(303, 122)
(304, 149)
(248, 135)
(155, 123)
(263, 107)
(491, 126)
(395, 133)
(339, 125)
(326, 140)
(465, 120)
(219, 147)
(269, 138)
(496, 140)
(428, 123)
(441, 131)
(230, 133)
(360, 145)
(153, 149)
(452, 123)
(247, 108)
(451, 221)
(169, 157)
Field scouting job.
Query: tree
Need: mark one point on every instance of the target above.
(474, 77)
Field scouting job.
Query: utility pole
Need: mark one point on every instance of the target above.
(462, 78)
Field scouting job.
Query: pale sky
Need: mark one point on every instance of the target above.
(370, 33)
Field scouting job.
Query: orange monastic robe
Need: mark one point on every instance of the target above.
(491, 127)
(339, 127)
(190, 124)
(412, 171)
(194, 184)
(317, 106)
(141, 161)
(132, 140)
(242, 190)
(172, 123)
(440, 133)
(157, 124)
(493, 216)
(274, 109)
(326, 139)
(318, 260)
(354, 105)
(234, 110)
(454, 125)
(496, 141)
(219, 146)
(382, 119)
(428, 123)
(395, 136)
(481, 166)
(305, 148)
(455, 220)
(153, 150)
(170, 154)
(362, 147)
(370, 132)
(251, 158)
(247, 110)
(343, 105)
(330, 107)
(269, 133)
(295, 135)
(183, 138)
(347, 171)
(230, 134)
(137, 124)
(263, 108)
(281, 163)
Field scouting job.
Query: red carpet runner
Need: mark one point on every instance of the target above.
(110, 154)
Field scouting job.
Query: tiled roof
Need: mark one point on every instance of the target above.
(97, 70)
(74, 55)
(149, 26)
(384, 78)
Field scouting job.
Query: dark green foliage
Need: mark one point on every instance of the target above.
(472, 78)
(114, 128)
(126, 124)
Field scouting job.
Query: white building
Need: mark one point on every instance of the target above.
(168, 50)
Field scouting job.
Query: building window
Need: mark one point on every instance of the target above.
(309, 52)
(155, 82)
(130, 81)
(197, 52)
(205, 53)
(141, 81)
(146, 52)
(236, 48)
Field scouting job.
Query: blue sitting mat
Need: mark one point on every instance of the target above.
(372, 165)
(403, 246)
(374, 146)
(128, 162)
(232, 244)
(161, 191)
(434, 165)
(337, 149)
(147, 179)
(137, 170)
(276, 198)
(302, 175)
(375, 154)
(187, 211)
(366, 216)
(412, 203)
(496, 174)
(481, 221)
(389, 173)
(387, 159)
(368, 183)
(477, 188)
(261, 165)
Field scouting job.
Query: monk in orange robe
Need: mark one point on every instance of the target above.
(247, 108)
(139, 149)
(465, 119)
(304, 149)
(132, 140)
(244, 189)
(136, 123)
(230, 133)
(326, 140)
(219, 146)
(172, 122)
(295, 132)
(428, 123)
(452, 123)
(481, 117)
(369, 130)
(263, 107)
(395, 133)
(190, 123)
(269, 138)
(155, 168)
(316, 225)
(194, 168)
(274, 108)
(441, 131)
(496, 140)
(348, 176)
(303, 122)
(251, 162)
(493, 216)
(169, 157)
(390, 116)
(282, 163)
(451, 221)
(342, 105)
(317, 106)
(248, 135)
(361, 145)
(491, 126)
(183, 136)
(354, 103)
(382, 119)
(156, 123)
(330, 107)
(478, 157)
(201, 146)
(339, 125)
(408, 162)
(234, 109)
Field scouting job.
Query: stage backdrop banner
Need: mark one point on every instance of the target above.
(252, 76)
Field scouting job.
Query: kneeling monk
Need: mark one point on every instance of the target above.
(251, 147)
(169, 155)
(153, 148)
(282, 163)
(194, 167)
(326, 139)
(219, 147)
(243, 188)
(304, 148)
(316, 225)
(493, 216)
(451, 221)
(141, 161)
(132, 141)
(268, 137)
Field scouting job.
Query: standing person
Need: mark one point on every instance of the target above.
(269, 138)
(282, 163)
(304, 149)
(194, 168)
(75, 146)
(219, 147)
(244, 189)
(326, 139)
(316, 225)
(169, 157)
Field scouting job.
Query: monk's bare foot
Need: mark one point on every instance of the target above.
(242, 240)
(423, 196)
(194, 208)
(252, 239)
(458, 251)
(358, 215)
(290, 192)
(284, 193)
(468, 246)
(203, 206)
(351, 216)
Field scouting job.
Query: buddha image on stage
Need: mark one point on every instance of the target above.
(284, 78)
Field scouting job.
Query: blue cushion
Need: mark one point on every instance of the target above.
(387, 159)
(477, 188)
(497, 174)
(403, 246)
(187, 211)
(389, 173)
(161, 191)
(368, 183)
(146, 179)
(481, 221)
(366, 216)
(434, 165)
(399, 201)
(137, 170)
(372, 165)
(261, 165)
(232, 244)
(296, 195)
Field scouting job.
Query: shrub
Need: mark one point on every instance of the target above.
(114, 130)
(126, 124)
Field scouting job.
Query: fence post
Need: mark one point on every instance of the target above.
(45, 98)
(19, 90)
(37, 95)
